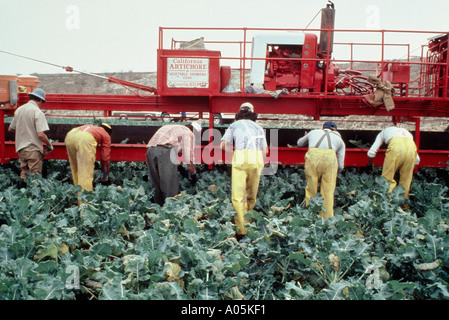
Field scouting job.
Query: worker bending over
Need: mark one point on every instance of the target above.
(29, 125)
(169, 142)
(81, 144)
(250, 146)
(401, 154)
(323, 161)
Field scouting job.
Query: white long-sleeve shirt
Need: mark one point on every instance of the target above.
(312, 138)
(385, 136)
(245, 134)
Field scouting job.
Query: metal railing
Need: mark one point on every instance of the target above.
(428, 73)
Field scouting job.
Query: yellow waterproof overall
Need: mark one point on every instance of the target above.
(81, 149)
(247, 164)
(321, 165)
(401, 154)
(246, 168)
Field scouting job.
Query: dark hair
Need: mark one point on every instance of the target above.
(246, 114)
(32, 97)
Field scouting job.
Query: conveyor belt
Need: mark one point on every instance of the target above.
(433, 148)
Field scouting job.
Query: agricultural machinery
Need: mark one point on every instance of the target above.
(315, 73)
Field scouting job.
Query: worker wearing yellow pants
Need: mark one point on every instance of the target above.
(246, 168)
(81, 144)
(81, 149)
(401, 154)
(250, 147)
(321, 166)
(323, 162)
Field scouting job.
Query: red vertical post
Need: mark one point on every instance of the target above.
(211, 127)
(2, 137)
(446, 78)
(417, 136)
(382, 63)
(417, 131)
(160, 44)
(242, 84)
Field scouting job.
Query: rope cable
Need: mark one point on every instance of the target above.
(68, 69)
(313, 18)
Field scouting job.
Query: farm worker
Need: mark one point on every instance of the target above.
(323, 161)
(250, 147)
(401, 154)
(164, 147)
(29, 125)
(81, 144)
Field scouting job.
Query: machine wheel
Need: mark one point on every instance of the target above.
(218, 119)
(166, 117)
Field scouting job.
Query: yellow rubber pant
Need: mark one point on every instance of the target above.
(321, 166)
(401, 154)
(246, 168)
(81, 149)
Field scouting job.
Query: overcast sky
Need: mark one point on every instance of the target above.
(122, 35)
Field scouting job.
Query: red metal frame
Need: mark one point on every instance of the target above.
(425, 97)
(284, 155)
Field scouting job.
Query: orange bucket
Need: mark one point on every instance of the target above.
(5, 94)
(27, 83)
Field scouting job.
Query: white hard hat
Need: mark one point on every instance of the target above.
(247, 105)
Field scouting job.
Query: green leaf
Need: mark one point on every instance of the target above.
(49, 289)
(400, 290)
(233, 294)
(236, 262)
(137, 267)
(297, 292)
(154, 258)
(48, 266)
(335, 291)
(191, 226)
(114, 290)
(50, 251)
(431, 219)
(23, 205)
(102, 248)
(300, 258)
(167, 291)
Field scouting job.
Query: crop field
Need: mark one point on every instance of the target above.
(120, 245)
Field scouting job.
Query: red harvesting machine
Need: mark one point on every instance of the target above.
(315, 73)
